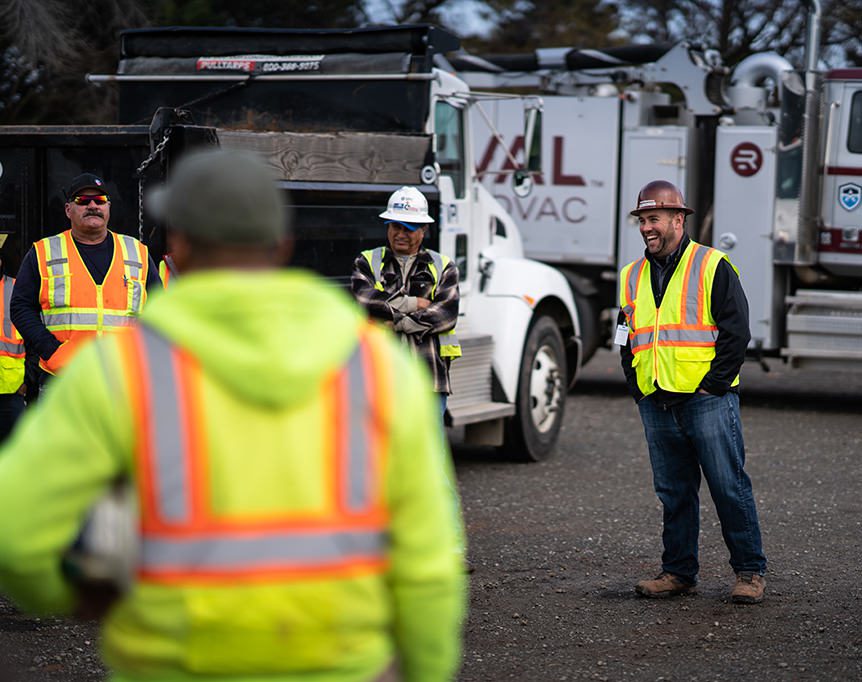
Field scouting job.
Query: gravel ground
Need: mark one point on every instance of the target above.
(557, 547)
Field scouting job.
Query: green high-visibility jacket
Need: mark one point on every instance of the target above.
(264, 343)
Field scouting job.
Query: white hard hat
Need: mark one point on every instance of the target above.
(409, 205)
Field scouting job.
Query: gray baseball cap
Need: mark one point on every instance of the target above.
(223, 197)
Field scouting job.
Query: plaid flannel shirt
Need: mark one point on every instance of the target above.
(437, 318)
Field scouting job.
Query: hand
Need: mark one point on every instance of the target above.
(95, 599)
(702, 392)
(60, 358)
(422, 303)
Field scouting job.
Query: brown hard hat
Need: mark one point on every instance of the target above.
(660, 194)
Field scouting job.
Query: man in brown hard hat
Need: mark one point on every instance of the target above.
(683, 333)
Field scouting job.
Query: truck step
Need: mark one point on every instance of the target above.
(824, 330)
(470, 375)
(479, 412)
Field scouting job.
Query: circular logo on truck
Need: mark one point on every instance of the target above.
(746, 159)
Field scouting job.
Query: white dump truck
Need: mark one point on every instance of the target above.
(769, 157)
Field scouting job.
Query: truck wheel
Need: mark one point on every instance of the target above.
(532, 433)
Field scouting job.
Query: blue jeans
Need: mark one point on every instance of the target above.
(703, 433)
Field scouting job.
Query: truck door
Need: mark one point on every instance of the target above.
(745, 212)
(655, 153)
(565, 218)
(840, 248)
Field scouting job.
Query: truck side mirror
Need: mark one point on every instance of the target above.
(522, 178)
(533, 140)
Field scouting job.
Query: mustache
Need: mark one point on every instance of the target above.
(95, 212)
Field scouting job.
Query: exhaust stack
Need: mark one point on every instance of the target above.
(809, 198)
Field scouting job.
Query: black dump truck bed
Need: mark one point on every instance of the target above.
(37, 163)
(371, 79)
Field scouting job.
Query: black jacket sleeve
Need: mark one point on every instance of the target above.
(26, 312)
(154, 283)
(730, 312)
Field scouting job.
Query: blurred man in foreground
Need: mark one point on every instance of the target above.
(292, 523)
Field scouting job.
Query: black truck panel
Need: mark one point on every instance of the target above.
(38, 163)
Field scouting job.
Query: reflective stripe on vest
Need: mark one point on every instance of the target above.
(450, 347)
(674, 345)
(133, 271)
(183, 541)
(81, 321)
(58, 266)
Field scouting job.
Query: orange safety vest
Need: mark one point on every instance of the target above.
(74, 307)
(11, 345)
(184, 542)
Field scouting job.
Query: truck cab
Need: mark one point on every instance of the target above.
(840, 243)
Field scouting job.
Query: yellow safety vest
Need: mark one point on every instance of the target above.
(167, 271)
(450, 347)
(11, 345)
(673, 346)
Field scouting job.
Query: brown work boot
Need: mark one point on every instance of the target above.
(748, 588)
(663, 585)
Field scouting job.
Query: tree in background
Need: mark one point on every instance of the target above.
(54, 43)
(739, 28)
(47, 46)
(411, 11)
(20, 82)
(525, 26)
(255, 13)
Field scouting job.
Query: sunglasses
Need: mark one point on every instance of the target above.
(85, 199)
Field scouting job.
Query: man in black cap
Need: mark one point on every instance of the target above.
(82, 282)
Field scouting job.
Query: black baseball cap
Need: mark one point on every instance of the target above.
(84, 181)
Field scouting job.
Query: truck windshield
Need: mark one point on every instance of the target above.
(854, 134)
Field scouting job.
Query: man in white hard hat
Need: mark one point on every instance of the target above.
(411, 288)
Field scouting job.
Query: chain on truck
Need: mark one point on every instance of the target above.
(770, 158)
(344, 118)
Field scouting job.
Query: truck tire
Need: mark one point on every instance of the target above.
(532, 433)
